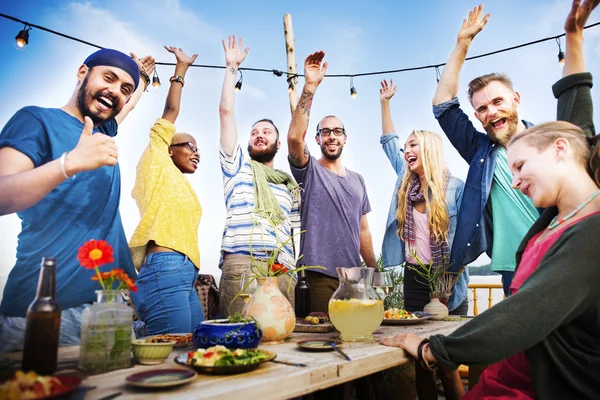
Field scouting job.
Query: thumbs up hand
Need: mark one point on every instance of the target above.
(92, 151)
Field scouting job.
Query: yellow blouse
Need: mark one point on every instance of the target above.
(169, 209)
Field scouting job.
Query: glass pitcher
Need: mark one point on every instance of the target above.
(355, 309)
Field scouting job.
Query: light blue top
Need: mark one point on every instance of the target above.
(393, 247)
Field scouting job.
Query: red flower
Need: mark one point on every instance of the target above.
(95, 253)
(279, 268)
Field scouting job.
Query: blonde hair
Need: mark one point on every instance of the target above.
(432, 158)
(585, 149)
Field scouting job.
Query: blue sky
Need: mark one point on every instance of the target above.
(356, 36)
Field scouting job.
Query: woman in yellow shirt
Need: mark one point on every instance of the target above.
(165, 243)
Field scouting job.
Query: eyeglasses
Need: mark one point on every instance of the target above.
(191, 146)
(325, 132)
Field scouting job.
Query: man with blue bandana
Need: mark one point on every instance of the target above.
(59, 173)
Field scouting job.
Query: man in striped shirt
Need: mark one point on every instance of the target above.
(262, 203)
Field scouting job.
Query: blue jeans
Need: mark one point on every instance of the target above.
(166, 299)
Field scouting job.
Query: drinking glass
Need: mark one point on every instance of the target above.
(382, 281)
(248, 286)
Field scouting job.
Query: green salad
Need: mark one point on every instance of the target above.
(219, 356)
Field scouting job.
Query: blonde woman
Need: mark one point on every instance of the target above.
(422, 222)
(418, 224)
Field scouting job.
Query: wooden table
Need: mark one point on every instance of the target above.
(270, 380)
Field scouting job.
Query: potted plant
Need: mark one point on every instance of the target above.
(267, 305)
(440, 282)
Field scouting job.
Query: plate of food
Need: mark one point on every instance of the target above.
(33, 386)
(182, 340)
(220, 360)
(398, 316)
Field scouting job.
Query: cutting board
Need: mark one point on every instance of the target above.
(310, 328)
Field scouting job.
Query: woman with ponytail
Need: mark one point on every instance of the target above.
(549, 346)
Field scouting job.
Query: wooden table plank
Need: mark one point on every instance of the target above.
(270, 380)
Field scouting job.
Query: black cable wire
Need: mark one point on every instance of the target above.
(280, 73)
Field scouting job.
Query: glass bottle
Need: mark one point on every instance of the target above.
(355, 309)
(42, 331)
(302, 296)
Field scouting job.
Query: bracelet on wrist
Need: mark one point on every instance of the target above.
(432, 366)
(177, 78)
(62, 166)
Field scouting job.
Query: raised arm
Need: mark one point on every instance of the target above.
(173, 102)
(573, 90)
(146, 66)
(447, 88)
(314, 73)
(385, 95)
(22, 185)
(234, 56)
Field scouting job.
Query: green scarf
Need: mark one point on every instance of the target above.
(265, 203)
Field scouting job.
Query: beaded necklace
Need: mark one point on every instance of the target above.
(554, 223)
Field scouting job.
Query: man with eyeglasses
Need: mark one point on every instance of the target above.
(59, 173)
(261, 201)
(334, 199)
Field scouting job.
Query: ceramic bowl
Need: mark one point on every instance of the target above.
(151, 353)
(214, 332)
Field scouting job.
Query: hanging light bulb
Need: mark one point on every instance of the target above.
(353, 91)
(561, 54)
(155, 79)
(22, 38)
(291, 87)
(238, 85)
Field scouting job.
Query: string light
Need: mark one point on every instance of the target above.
(290, 80)
(155, 79)
(22, 38)
(238, 85)
(353, 92)
(438, 75)
(561, 55)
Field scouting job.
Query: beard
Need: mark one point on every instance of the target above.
(84, 99)
(265, 155)
(509, 129)
(332, 156)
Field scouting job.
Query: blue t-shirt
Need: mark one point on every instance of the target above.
(79, 209)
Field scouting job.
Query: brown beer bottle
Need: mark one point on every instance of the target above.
(40, 351)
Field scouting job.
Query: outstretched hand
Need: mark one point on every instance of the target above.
(144, 64)
(181, 57)
(409, 342)
(473, 24)
(314, 72)
(234, 51)
(578, 15)
(387, 91)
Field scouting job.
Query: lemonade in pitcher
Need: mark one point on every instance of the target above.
(356, 319)
(355, 309)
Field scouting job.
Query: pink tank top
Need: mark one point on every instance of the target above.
(422, 240)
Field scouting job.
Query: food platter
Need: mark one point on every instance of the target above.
(226, 369)
(421, 317)
(61, 386)
(182, 340)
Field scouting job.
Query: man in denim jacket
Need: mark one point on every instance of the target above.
(488, 194)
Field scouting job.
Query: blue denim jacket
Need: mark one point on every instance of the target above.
(393, 248)
(479, 151)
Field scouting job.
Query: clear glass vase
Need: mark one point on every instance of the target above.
(106, 328)
(355, 309)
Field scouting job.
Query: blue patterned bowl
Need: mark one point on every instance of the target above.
(243, 335)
